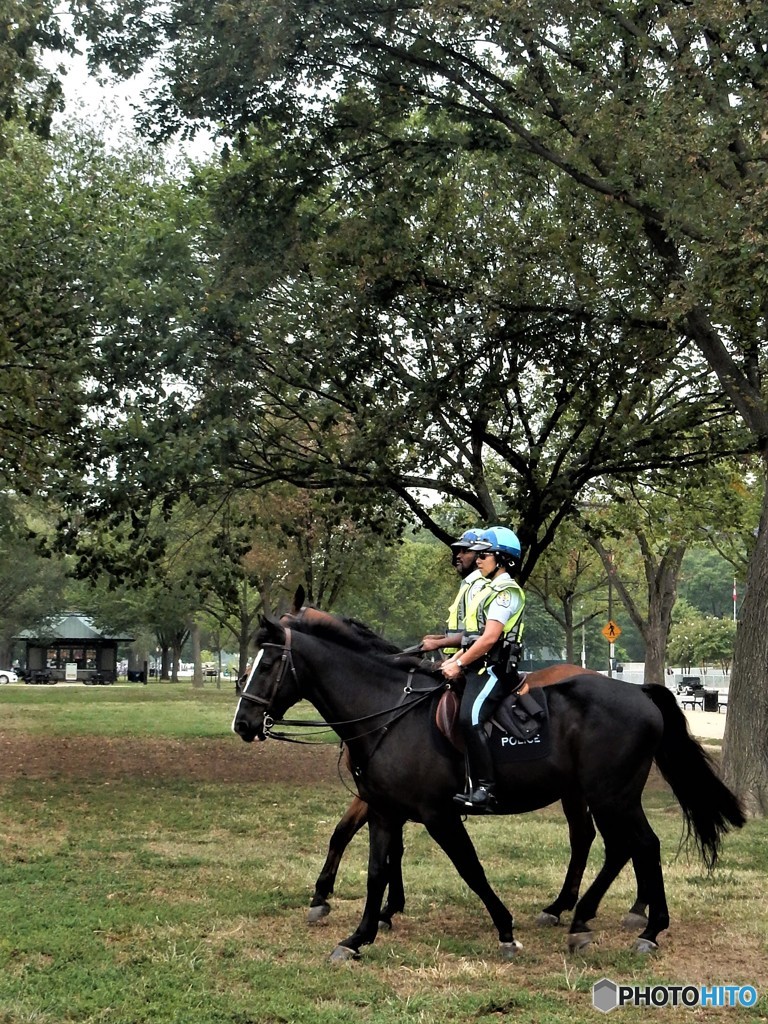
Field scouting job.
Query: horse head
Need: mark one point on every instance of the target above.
(271, 687)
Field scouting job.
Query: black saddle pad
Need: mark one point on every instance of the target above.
(520, 728)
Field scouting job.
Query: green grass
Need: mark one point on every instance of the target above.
(167, 901)
(157, 709)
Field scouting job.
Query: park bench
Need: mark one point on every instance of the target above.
(692, 701)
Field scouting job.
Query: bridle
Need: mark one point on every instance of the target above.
(286, 663)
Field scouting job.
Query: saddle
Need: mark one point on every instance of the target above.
(519, 716)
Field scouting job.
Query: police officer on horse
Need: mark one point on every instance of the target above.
(465, 561)
(488, 658)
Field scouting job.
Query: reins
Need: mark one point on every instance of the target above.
(397, 711)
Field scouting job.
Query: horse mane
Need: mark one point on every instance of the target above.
(346, 632)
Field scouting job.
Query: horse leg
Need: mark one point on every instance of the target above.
(396, 893)
(380, 837)
(617, 854)
(353, 820)
(581, 830)
(451, 835)
(647, 861)
(625, 836)
(637, 916)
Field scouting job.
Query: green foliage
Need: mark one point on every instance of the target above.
(82, 237)
(403, 592)
(29, 94)
(380, 340)
(31, 586)
(707, 581)
(374, 294)
(44, 317)
(702, 640)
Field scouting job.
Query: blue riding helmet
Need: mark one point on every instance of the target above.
(499, 538)
(467, 539)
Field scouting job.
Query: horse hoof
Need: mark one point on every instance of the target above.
(646, 946)
(342, 954)
(632, 921)
(509, 950)
(578, 941)
(385, 925)
(546, 920)
(316, 914)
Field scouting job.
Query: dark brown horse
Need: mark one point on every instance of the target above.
(604, 736)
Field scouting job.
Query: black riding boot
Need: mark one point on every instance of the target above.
(480, 799)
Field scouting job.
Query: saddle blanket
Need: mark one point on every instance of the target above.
(519, 730)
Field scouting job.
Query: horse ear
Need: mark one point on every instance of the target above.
(298, 600)
(269, 627)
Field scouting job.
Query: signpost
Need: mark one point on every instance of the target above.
(611, 631)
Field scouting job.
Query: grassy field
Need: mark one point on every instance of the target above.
(155, 869)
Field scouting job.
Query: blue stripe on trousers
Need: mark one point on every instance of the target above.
(483, 695)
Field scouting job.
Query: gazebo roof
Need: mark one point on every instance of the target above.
(70, 627)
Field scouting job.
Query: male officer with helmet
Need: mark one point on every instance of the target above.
(465, 561)
(487, 657)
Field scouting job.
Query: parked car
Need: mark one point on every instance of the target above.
(7, 675)
(689, 685)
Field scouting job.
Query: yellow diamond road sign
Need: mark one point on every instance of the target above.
(611, 631)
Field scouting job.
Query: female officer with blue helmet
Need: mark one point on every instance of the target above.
(493, 616)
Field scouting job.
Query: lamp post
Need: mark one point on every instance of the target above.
(611, 646)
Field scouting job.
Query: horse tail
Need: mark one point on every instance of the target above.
(709, 807)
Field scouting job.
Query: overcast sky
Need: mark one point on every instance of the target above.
(110, 106)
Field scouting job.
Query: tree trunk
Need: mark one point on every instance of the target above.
(745, 744)
(655, 654)
(197, 658)
(175, 660)
(570, 639)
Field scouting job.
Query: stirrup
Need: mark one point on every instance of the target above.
(480, 801)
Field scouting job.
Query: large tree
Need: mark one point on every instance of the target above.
(653, 112)
(430, 338)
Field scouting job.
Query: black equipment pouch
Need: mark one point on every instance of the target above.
(510, 656)
(504, 657)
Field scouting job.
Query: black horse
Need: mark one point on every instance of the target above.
(581, 827)
(604, 736)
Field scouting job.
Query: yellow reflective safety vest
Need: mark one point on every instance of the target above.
(457, 613)
(477, 610)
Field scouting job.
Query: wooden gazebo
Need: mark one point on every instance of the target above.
(71, 648)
